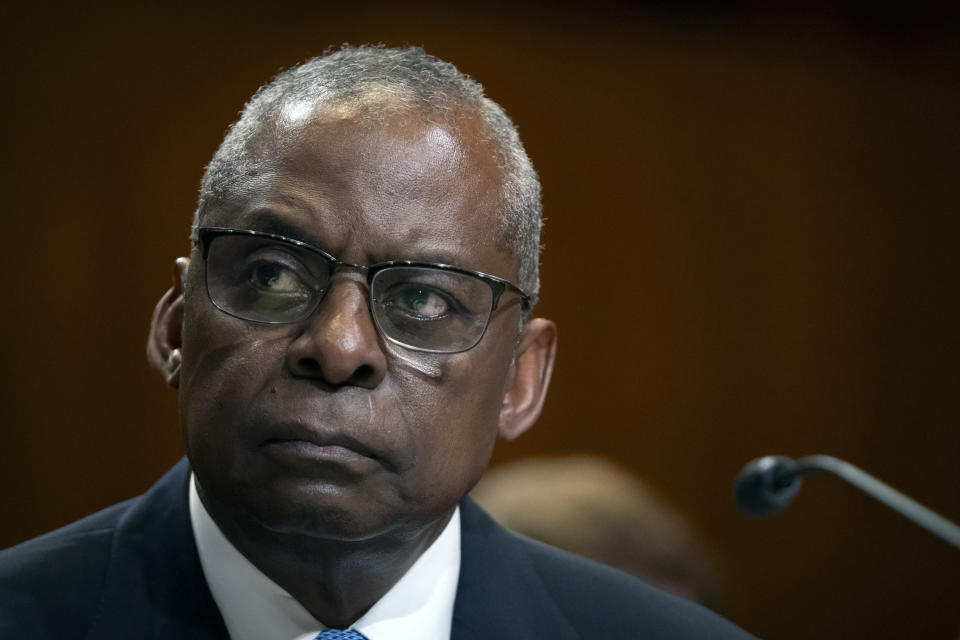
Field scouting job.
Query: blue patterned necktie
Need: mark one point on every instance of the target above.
(337, 634)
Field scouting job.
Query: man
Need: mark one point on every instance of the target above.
(349, 336)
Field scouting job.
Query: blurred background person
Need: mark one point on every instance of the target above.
(590, 506)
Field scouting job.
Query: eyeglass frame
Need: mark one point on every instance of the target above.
(498, 286)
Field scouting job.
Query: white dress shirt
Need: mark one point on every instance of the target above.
(254, 607)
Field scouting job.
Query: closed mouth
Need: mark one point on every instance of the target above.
(329, 448)
(298, 444)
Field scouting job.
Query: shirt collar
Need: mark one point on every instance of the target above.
(254, 607)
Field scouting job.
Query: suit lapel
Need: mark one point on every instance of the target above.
(155, 586)
(500, 594)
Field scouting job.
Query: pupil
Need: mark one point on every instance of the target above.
(268, 274)
(420, 299)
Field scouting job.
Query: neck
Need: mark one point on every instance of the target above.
(337, 581)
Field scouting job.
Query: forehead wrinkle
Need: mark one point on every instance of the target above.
(398, 167)
(352, 160)
(274, 195)
(433, 181)
(430, 174)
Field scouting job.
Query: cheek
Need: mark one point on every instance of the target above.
(455, 420)
(224, 369)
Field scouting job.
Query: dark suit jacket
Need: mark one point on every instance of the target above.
(132, 571)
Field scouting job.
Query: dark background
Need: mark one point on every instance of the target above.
(751, 248)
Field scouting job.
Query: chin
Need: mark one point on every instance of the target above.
(317, 513)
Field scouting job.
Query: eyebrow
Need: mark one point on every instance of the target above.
(268, 221)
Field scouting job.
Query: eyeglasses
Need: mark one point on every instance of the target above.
(272, 279)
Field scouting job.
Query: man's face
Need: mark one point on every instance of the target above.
(319, 427)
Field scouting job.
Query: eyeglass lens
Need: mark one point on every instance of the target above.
(420, 307)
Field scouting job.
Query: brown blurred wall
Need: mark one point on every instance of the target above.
(751, 248)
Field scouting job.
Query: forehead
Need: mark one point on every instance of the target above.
(376, 187)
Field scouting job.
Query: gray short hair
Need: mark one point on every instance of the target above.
(413, 80)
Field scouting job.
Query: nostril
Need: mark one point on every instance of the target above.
(308, 366)
(363, 372)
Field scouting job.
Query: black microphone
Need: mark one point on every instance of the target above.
(767, 485)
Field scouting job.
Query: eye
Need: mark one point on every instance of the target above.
(417, 300)
(274, 277)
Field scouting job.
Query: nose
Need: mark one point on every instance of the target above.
(339, 343)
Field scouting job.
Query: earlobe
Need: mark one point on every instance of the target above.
(164, 340)
(171, 371)
(533, 366)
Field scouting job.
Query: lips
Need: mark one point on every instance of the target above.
(300, 446)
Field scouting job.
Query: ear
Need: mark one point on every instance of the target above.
(164, 341)
(532, 367)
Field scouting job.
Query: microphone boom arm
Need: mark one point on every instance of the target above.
(767, 485)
